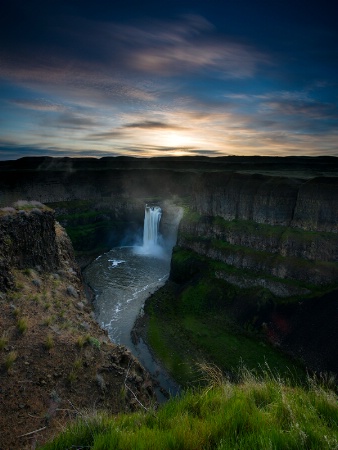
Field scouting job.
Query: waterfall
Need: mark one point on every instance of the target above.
(152, 217)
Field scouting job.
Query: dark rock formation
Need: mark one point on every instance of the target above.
(27, 239)
(311, 205)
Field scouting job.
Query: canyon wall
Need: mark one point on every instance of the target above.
(53, 354)
(211, 187)
(308, 204)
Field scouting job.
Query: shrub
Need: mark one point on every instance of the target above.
(78, 364)
(87, 339)
(10, 358)
(28, 272)
(16, 311)
(49, 342)
(72, 377)
(3, 341)
(48, 321)
(94, 342)
(22, 325)
(81, 340)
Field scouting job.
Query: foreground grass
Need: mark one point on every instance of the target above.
(256, 414)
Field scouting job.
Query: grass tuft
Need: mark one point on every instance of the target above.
(9, 360)
(22, 325)
(256, 414)
(3, 341)
(49, 342)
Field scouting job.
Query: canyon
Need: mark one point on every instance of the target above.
(258, 238)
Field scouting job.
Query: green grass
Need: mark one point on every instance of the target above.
(3, 341)
(257, 414)
(22, 325)
(195, 323)
(229, 350)
(10, 359)
(92, 236)
(49, 342)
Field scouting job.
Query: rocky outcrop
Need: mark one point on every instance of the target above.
(27, 239)
(55, 360)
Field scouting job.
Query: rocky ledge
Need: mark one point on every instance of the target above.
(55, 362)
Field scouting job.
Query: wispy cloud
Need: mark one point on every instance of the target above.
(99, 55)
(75, 121)
(147, 87)
(152, 124)
(38, 104)
(106, 135)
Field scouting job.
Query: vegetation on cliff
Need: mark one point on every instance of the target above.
(55, 361)
(183, 326)
(199, 315)
(256, 414)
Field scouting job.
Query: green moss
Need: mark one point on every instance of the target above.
(190, 216)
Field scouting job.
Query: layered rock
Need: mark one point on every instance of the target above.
(311, 205)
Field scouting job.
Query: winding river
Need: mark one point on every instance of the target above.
(122, 279)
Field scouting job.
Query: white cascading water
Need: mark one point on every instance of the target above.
(152, 217)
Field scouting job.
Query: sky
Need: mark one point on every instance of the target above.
(168, 78)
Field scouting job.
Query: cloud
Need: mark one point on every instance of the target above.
(152, 124)
(190, 44)
(73, 120)
(309, 109)
(38, 104)
(106, 135)
(106, 56)
(148, 150)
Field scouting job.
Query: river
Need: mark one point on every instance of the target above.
(122, 279)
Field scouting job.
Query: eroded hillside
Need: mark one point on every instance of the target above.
(56, 364)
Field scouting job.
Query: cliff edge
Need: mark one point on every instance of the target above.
(56, 364)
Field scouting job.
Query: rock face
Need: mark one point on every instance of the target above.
(279, 234)
(311, 205)
(27, 239)
(282, 252)
(55, 361)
